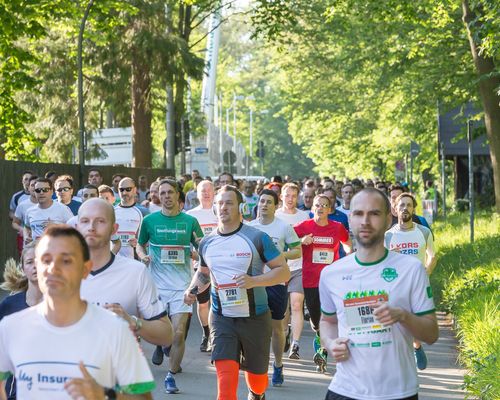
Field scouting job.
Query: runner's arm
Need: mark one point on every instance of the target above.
(199, 283)
(329, 328)
(3, 395)
(347, 246)
(279, 273)
(293, 253)
(16, 224)
(116, 246)
(430, 259)
(142, 253)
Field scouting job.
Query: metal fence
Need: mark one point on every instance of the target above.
(10, 180)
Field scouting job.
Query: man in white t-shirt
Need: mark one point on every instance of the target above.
(46, 212)
(291, 215)
(288, 243)
(64, 347)
(347, 193)
(129, 216)
(23, 207)
(207, 219)
(373, 303)
(408, 237)
(120, 284)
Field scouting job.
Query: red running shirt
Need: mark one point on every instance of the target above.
(323, 251)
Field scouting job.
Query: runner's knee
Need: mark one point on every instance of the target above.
(227, 379)
(257, 383)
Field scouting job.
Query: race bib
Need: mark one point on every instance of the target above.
(125, 237)
(208, 228)
(172, 255)
(359, 312)
(322, 256)
(231, 295)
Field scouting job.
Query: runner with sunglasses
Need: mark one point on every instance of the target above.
(129, 216)
(46, 212)
(321, 240)
(64, 192)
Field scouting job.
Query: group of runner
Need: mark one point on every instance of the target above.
(259, 251)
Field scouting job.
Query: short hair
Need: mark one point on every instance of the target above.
(322, 196)
(204, 182)
(28, 171)
(290, 185)
(105, 189)
(405, 194)
(95, 170)
(277, 178)
(67, 178)
(271, 193)
(62, 230)
(90, 186)
(45, 180)
(50, 174)
(346, 185)
(396, 187)
(227, 173)
(118, 175)
(385, 199)
(33, 177)
(171, 182)
(234, 189)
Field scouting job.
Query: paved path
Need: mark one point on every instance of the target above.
(441, 380)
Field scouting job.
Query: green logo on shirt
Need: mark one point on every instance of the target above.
(429, 292)
(389, 274)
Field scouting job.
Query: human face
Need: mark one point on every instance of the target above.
(289, 197)
(368, 220)
(29, 266)
(128, 192)
(95, 178)
(60, 267)
(32, 188)
(405, 209)
(116, 181)
(195, 174)
(308, 198)
(338, 186)
(248, 188)
(267, 207)
(64, 192)
(227, 207)
(331, 195)
(347, 194)
(143, 182)
(95, 224)
(154, 193)
(26, 181)
(394, 195)
(108, 197)
(169, 197)
(89, 194)
(206, 193)
(225, 180)
(43, 193)
(321, 208)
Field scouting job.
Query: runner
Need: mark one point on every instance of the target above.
(153, 204)
(170, 233)
(46, 212)
(48, 347)
(394, 192)
(115, 181)
(106, 193)
(307, 197)
(142, 189)
(373, 302)
(120, 284)
(15, 200)
(347, 193)
(291, 215)
(286, 241)
(407, 237)
(89, 192)
(64, 192)
(22, 208)
(129, 216)
(207, 219)
(233, 257)
(249, 196)
(94, 179)
(321, 240)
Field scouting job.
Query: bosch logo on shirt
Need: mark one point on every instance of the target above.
(322, 240)
(243, 255)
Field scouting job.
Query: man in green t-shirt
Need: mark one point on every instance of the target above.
(169, 235)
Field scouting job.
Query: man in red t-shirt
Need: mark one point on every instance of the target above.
(321, 240)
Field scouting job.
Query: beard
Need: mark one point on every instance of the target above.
(406, 217)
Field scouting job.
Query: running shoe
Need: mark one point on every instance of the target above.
(277, 379)
(316, 343)
(294, 353)
(253, 396)
(157, 358)
(170, 386)
(204, 346)
(420, 358)
(287, 340)
(320, 359)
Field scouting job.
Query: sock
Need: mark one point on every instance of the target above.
(295, 342)
(206, 331)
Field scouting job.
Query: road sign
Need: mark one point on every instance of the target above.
(201, 150)
(414, 149)
(260, 149)
(229, 157)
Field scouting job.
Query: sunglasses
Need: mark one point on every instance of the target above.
(64, 189)
(42, 190)
(321, 206)
(127, 189)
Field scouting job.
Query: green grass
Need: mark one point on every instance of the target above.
(466, 282)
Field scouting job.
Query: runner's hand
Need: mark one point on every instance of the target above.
(307, 239)
(244, 281)
(388, 315)
(118, 310)
(146, 260)
(339, 349)
(84, 388)
(189, 298)
(132, 242)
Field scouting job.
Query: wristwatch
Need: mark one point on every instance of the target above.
(109, 394)
(138, 323)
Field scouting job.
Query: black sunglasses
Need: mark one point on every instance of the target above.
(64, 189)
(127, 189)
(44, 190)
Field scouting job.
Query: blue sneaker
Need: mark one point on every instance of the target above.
(277, 379)
(316, 343)
(420, 358)
(170, 386)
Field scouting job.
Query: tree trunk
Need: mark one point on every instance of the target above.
(488, 85)
(141, 112)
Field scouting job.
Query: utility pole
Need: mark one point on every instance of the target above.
(170, 116)
(251, 143)
(471, 179)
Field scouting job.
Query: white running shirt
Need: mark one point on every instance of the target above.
(206, 218)
(37, 219)
(129, 221)
(415, 242)
(292, 220)
(382, 363)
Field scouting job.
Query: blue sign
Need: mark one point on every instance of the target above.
(201, 150)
